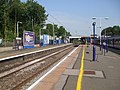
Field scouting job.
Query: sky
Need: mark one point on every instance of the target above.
(76, 15)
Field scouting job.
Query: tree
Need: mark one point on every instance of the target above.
(61, 32)
(49, 29)
(68, 34)
(35, 15)
(111, 31)
(15, 14)
(30, 13)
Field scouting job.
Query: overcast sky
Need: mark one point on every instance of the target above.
(76, 15)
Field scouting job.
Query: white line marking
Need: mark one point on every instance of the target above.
(2, 59)
(33, 85)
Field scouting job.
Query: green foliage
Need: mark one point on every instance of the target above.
(111, 31)
(61, 31)
(31, 14)
(49, 28)
(68, 34)
(58, 31)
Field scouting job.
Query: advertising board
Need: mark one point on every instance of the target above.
(45, 40)
(28, 39)
(0, 41)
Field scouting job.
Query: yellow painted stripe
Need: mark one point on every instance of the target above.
(79, 82)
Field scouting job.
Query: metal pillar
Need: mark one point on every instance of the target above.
(106, 41)
(104, 45)
(17, 28)
(40, 36)
(53, 35)
(100, 34)
(94, 46)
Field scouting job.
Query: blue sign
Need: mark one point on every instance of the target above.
(45, 40)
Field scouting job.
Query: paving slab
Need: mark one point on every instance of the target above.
(102, 74)
(60, 83)
(71, 72)
(109, 65)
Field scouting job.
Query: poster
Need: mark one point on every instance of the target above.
(0, 41)
(45, 40)
(28, 39)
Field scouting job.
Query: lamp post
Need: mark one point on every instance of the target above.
(40, 33)
(105, 39)
(100, 30)
(104, 43)
(100, 18)
(17, 28)
(100, 36)
(17, 38)
(106, 18)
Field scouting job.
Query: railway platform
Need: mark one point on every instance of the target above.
(8, 51)
(77, 71)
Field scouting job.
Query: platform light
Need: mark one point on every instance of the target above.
(17, 28)
(106, 18)
(93, 18)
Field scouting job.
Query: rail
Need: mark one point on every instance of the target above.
(32, 54)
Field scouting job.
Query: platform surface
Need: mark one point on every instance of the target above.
(102, 74)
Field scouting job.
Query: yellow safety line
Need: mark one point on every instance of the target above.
(79, 82)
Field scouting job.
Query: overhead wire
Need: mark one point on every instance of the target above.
(55, 19)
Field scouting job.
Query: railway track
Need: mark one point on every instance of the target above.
(16, 77)
(15, 61)
(115, 50)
